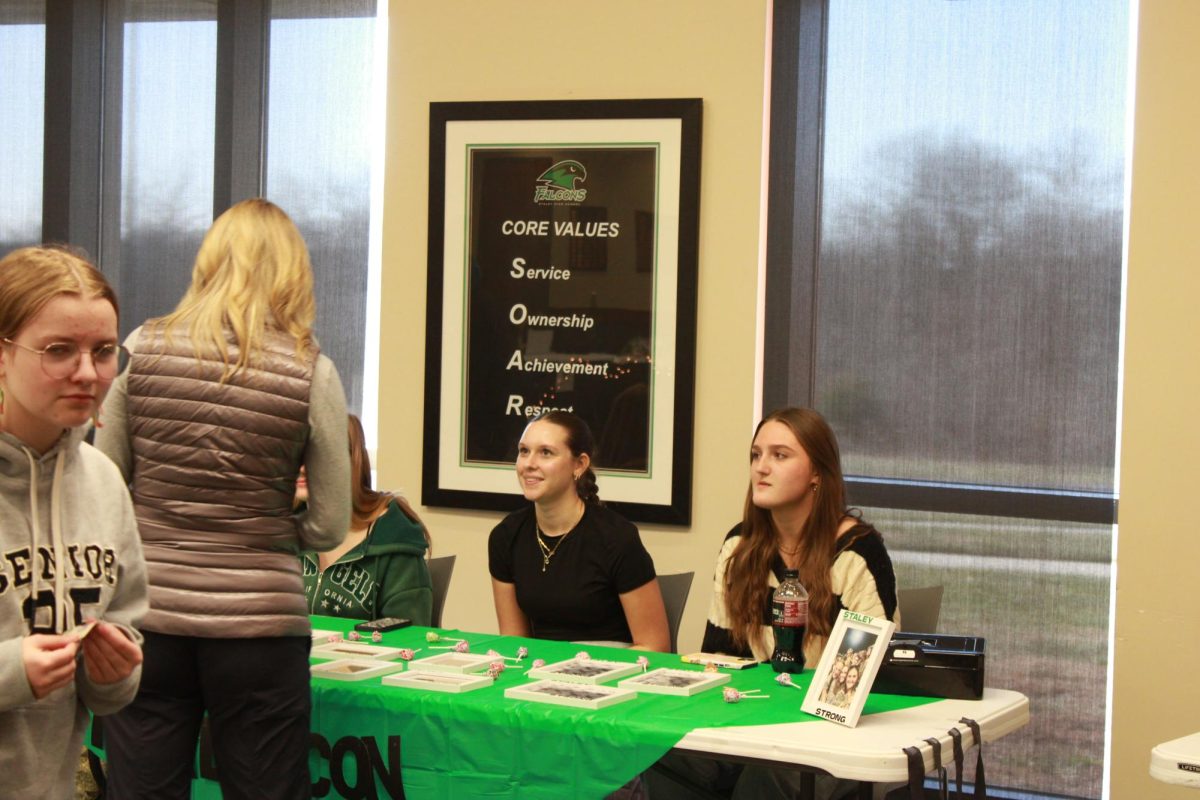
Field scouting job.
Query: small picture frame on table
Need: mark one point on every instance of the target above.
(684, 682)
(847, 668)
(584, 670)
(438, 681)
(355, 669)
(457, 663)
(570, 694)
(355, 650)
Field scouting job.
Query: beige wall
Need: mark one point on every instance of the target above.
(700, 48)
(549, 49)
(1158, 632)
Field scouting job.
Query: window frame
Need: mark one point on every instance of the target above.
(799, 60)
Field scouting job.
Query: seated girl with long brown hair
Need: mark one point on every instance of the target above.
(379, 570)
(795, 517)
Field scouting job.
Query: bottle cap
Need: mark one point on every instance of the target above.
(791, 573)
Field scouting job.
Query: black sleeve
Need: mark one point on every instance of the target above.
(500, 548)
(632, 566)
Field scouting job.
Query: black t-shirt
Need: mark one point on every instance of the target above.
(576, 598)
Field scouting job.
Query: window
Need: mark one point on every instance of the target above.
(944, 284)
(180, 108)
(22, 93)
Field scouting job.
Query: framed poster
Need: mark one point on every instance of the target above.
(562, 275)
(847, 668)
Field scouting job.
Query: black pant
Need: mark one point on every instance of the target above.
(256, 693)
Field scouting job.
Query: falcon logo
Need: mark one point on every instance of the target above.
(558, 184)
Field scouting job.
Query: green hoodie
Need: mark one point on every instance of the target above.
(384, 575)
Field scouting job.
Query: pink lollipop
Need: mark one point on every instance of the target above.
(537, 662)
(354, 636)
(462, 647)
(732, 695)
(784, 679)
(494, 670)
(376, 636)
(583, 655)
(643, 662)
(334, 638)
(498, 666)
(406, 654)
(522, 652)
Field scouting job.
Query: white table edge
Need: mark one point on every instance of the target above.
(874, 750)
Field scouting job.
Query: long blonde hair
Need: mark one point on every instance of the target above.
(252, 274)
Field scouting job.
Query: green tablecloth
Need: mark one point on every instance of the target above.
(481, 744)
(368, 737)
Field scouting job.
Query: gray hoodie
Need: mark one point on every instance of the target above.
(68, 507)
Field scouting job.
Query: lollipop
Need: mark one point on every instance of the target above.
(499, 666)
(495, 669)
(583, 655)
(354, 636)
(376, 637)
(643, 662)
(334, 638)
(732, 695)
(461, 647)
(406, 654)
(784, 679)
(522, 652)
(434, 636)
(537, 662)
(711, 667)
(498, 654)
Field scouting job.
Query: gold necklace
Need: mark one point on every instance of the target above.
(547, 551)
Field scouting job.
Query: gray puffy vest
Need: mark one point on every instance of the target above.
(214, 472)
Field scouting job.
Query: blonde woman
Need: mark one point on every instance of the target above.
(71, 549)
(224, 400)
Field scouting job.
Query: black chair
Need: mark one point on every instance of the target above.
(675, 590)
(440, 570)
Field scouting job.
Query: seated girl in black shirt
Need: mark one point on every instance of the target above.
(567, 568)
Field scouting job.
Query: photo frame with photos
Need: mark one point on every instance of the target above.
(355, 669)
(354, 650)
(432, 681)
(458, 663)
(664, 680)
(584, 670)
(847, 668)
(564, 693)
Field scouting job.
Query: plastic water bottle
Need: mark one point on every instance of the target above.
(789, 616)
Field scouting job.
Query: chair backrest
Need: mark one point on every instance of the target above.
(440, 570)
(920, 608)
(675, 590)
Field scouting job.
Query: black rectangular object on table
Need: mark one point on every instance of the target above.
(932, 665)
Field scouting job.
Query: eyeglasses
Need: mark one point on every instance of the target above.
(62, 359)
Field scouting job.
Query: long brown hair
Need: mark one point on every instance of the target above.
(747, 577)
(366, 502)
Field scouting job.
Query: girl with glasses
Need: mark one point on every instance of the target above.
(69, 548)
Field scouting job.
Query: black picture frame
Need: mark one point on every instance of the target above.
(481, 155)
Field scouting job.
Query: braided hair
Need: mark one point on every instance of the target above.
(579, 442)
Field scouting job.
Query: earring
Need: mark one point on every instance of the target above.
(814, 487)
